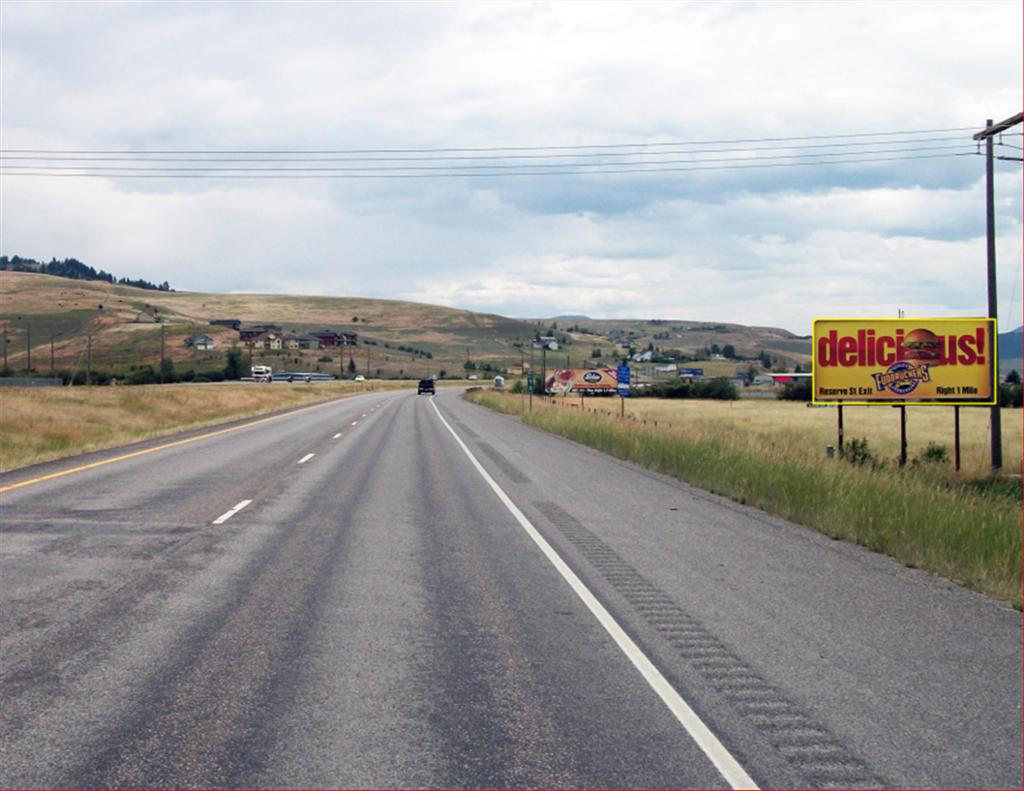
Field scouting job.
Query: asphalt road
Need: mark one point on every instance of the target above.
(343, 597)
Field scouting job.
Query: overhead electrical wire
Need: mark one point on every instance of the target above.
(114, 156)
(564, 160)
(299, 173)
(387, 168)
(506, 148)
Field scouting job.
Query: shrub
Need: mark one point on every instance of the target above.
(799, 390)
(1010, 395)
(144, 375)
(935, 453)
(721, 389)
(233, 367)
(857, 452)
(518, 386)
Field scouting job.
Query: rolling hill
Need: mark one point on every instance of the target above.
(395, 338)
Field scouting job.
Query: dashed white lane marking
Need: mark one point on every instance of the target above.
(336, 435)
(354, 422)
(306, 458)
(228, 514)
(730, 769)
(363, 415)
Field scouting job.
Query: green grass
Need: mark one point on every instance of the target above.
(969, 533)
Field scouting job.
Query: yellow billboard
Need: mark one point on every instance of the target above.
(930, 361)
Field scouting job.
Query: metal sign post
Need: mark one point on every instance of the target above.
(623, 377)
(840, 427)
(903, 435)
(956, 438)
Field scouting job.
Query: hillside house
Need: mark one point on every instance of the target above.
(309, 342)
(147, 315)
(248, 334)
(269, 341)
(200, 343)
(232, 323)
(290, 341)
(328, 338)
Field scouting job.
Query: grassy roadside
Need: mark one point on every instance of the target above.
(45, 423)
(966, 531)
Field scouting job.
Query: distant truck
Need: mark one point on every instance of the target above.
(425, 386)
(499, 382)
(262, 373)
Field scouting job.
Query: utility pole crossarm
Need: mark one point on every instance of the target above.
(1002, 126)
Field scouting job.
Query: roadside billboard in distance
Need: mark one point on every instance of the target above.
(579, 380)
(922, 361)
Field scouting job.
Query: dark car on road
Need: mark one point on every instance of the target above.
(426, 386)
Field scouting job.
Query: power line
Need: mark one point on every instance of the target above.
(302, 173)
(144, 156)
(131, 168)
(579, 147)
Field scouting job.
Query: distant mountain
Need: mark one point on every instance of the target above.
(1011, 352)
(571, 317)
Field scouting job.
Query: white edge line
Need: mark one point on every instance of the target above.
(228, 514)
(354, 422)
(730, 769)
(336, 435)
(306, 458)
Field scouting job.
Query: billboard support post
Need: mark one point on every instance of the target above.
(956, 438)
(903, 435)
(839, 410)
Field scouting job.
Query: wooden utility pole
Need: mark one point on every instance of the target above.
(51, 352)
(161, 352)
(28, 347)
(88, 359)
(990, 131)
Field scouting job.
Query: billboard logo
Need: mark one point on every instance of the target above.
(901, 378)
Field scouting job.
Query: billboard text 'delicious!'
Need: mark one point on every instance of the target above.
(866, 347)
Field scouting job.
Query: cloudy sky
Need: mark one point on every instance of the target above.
(535, 105)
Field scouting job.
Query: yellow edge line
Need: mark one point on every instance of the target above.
(174, 444)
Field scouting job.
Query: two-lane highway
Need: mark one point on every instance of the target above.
(403, 591)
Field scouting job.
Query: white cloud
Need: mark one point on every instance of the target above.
(770, 247)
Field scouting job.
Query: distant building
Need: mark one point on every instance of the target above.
(200, 342)
(328, 338)
(247, 334)
(147, 316)
(232, 323)
(268, 340)
(788, 378)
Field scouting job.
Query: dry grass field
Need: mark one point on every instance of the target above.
(771, 455)
(44, 423)
(792, 427)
